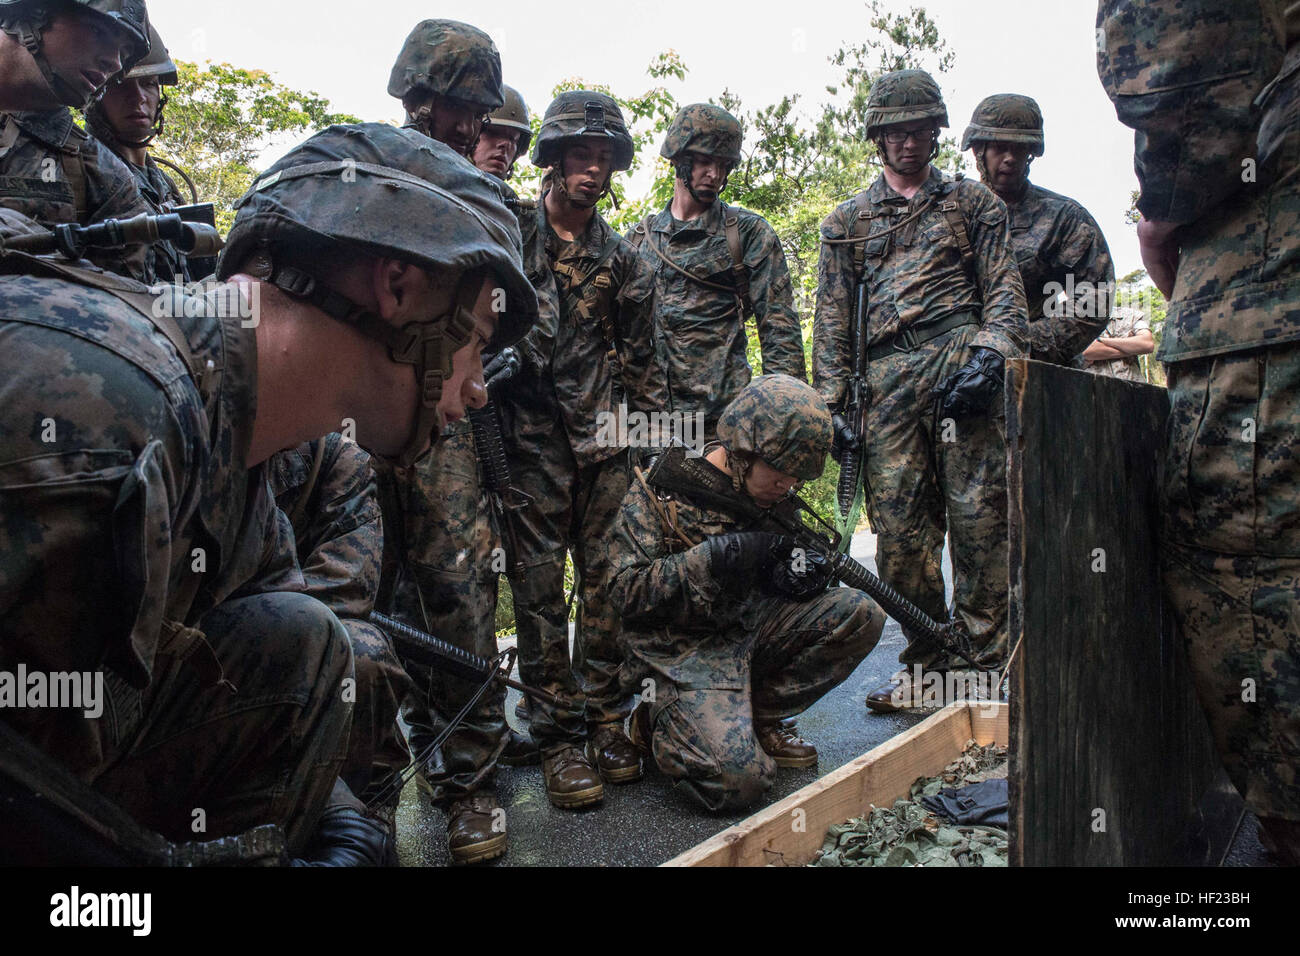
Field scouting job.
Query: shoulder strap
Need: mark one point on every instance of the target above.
(951, 210)
(858, 230)
(739, 274)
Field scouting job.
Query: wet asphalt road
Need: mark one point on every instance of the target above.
(648, 822)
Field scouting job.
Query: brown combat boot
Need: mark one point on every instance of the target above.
(610, 752)
(520, 750)
(780, 741)
(571, 782)
(476, 828)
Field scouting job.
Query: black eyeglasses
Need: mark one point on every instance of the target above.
(898, 137)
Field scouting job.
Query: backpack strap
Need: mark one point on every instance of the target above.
(739, 274)
(571, 302)
(74, 171)
(951, 210)
(858, 230)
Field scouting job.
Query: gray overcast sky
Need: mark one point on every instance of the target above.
(760, 50)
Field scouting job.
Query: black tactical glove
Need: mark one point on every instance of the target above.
(842, 437)
(799, 574)
(739, 558)
(972, 388)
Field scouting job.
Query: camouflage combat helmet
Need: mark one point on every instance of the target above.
(703, 128)
(782, 421)
(1006, 118)
(904, 97)
(451, 59)
(26, 20)
(580, 113)
(513, 114)
(157, 63)
(393, 193)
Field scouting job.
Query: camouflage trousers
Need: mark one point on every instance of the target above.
(704, 735)
(574, 510)
(376, 749)
(1232, 560)
(264, 747)
(448, 589)
(925, 478)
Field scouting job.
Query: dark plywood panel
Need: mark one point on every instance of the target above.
(1104, 718)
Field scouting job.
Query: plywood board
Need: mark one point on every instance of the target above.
(1110, 752)
(791, 831)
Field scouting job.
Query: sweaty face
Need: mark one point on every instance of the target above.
(456, 122)
(708, 175)
(908, 145)
(85, 49)
(766, 485)
(1007, 165)
(496, 150)
(586, 168)
(130, 107)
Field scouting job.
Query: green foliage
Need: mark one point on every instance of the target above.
(219, 120)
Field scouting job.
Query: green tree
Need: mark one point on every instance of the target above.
(220, 118)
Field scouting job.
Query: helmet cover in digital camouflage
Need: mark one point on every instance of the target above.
(781, 420)
(1006, 118)
(904, 96)
(451, 59)
(703, 128)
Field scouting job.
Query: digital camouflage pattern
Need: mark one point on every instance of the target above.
(1006, 118)
(1180, 75)
(915, 276)
(904, 96)
(449, 58)
(1202, 102)
(917, 485)
(703, 128)
(53, 172)
(138, 542)
(569, 117)
(782, 421)
(1059, 246)
(339, 538)
(1125, 322)
(722, 658)
(700, 331)
(577, 476)
(445, 585)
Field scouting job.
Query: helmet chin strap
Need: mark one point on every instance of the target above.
(428, 345)
(685, 168)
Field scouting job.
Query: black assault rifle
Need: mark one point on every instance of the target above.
(696, 479)
(850, 424)
(506, 500)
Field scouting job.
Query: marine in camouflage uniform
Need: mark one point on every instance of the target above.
(1218, 156)
(704, 288)
(327, 489)
(165, 562)
(50, 170)
(1125, 323)
(728, 661)
(945, 308)
(597, 355)
(146, 79)
(444, 582)
(1058, 245)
